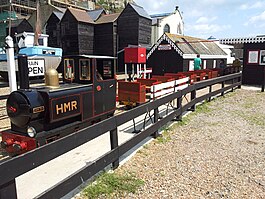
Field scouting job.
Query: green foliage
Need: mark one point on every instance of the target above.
(112, 184)
(185, 120)
(108, 6)
(165, 137)
(202, 108)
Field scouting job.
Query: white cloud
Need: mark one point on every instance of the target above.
(205, 20)
(256, 5)
(156, 7)
(207, 29)
(257, 20)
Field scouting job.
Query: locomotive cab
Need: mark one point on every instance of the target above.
(85, 69)
(98, 71)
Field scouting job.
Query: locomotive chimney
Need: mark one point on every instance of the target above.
(23, 71)
(52, 78)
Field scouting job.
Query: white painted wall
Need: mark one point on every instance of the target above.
(228, 51)
(175, 23)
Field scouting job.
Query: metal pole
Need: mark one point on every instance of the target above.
(11, 64)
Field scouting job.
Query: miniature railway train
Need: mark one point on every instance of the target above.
(43, 114)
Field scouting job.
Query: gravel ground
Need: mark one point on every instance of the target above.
(219, 153)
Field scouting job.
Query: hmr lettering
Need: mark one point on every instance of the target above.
(65, 107)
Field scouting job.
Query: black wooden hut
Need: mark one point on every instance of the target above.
(134, 28)
(77, 32)
(106, 35)
(19, 26)
(53, 28)
(175, 53)
(254, 62)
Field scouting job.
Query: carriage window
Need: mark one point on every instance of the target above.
(84, 67)
(107, 69)
(69, 69)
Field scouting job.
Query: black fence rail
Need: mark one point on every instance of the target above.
(17, 166)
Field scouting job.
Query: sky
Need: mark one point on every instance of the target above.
(217, 18)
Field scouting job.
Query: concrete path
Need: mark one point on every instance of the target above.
(36, 181)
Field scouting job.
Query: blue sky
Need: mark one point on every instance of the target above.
(218, 18)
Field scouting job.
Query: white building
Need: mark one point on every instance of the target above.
(167, 22)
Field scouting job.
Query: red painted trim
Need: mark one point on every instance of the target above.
(25, 142)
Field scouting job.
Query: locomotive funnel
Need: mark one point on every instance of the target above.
(23, 71)
(52, 78)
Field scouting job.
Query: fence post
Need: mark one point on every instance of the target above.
(239, 80)
(223, 85)
(210, 90)
(8, 190)
(193, 96)
(156, 113)
(114, 144)
(179, 105)
(233, 80)
(263, 83)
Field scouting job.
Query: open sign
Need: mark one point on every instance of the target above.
(36, 67)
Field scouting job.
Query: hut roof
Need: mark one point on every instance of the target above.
(108, 18)
(81, 15)
(190, 45)
(95, 14)
(16, 23)
(59, 15)
(140, 10)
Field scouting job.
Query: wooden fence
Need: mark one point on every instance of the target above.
(17, 166)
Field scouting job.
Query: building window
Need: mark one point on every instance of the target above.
(167, 28)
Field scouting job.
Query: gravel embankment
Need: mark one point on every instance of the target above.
(219, 153)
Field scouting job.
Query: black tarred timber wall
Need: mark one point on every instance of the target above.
(128, 25)
(252, 73)
(53, 30)
(76, 37)
(106, 39)
(169, 61)
(165, 61)
(23, 26)
(132, 30)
